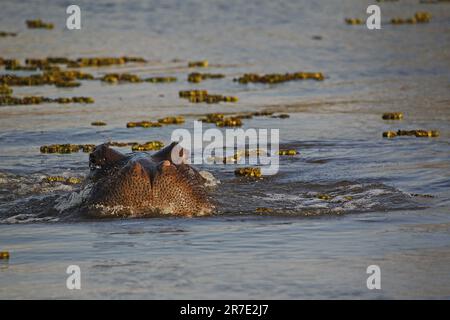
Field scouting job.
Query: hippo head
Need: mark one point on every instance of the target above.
(141, 183)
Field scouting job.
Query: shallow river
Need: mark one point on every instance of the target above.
(389, 199)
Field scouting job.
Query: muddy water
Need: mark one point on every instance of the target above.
(389, 202)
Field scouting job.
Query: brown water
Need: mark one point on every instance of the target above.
(304, 248)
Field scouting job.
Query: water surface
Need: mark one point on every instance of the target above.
(391, 198)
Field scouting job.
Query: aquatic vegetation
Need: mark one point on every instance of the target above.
(58, 60)
(353, 21)
(7, 34)
(134, 59)
(68, 84)
(212, 118)
(419, 17)
(172, 120)
(53, 77)
(39, 24)
(198, 64)
(50, 63)
(4, 255)
(422, 16)
(18, 67)
(60, 148)
(262, 113)
(213, 98)
(121, 77)
(148, 146)
(279, 78)
(99, 61)
(10, 101)
(67, 148)
(403, 21)
(416, 133)
(121, 144)
(98, 123)
(192, 93)
(287, 152)
(197, 77)
(61, 179)
(230, 99)
(5, 90)
(253, 172)
(9, 63)
(221, 121)
(33, 80)
(67, 75)
(392, 116)
(199, 96)
(103, 61)
(161, 79)
(84, 100)
(389, 134)
(229, 122)
(87, 148)
(143, 124)
(421, 195)
(324, 196)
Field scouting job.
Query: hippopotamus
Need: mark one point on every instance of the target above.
(141, 184)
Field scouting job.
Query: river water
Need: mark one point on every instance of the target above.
(390, 198)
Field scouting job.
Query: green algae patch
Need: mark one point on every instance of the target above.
(161, 79)
(5, 90)
(98, 123)
(172, 120)
(287, 152)
(61, 179)
(419, 17)
(324, 196)
(69, 84)
(412, 133)
(12, 101)
(252, 172)
(144, 124)
(4, 34)
(39, 24)
(4, 255)
(114, 78)
(392, 116)
(353, 21)
(121, 144)
(198, 64)
(67, 148)
(212, 118)
(274, 78)
(197, 77)
(148, 146)
(54, 77)
(202, 96)
(229, 122)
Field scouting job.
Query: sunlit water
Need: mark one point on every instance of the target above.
(390, 198)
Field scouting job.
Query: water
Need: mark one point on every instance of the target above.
(391, 198)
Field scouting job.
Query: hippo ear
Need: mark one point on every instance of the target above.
(173, 152)
(103, 155)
